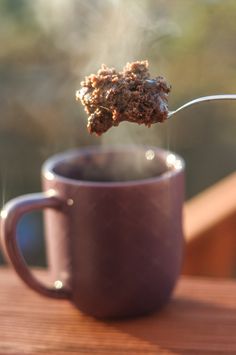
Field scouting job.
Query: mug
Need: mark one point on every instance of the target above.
(113, 228)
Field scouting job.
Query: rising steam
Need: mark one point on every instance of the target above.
(94, 32)
(113, 32)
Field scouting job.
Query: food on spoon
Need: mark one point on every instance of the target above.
(110, 97)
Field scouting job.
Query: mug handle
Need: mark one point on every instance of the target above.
(10, 216)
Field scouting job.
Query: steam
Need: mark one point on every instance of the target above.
(109, 31)
(95, 32)
(112, 32)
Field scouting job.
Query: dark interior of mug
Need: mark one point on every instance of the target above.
(112, 165)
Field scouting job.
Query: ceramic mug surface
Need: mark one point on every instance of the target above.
(113, 228)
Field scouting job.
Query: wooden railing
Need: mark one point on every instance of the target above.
(210, 231)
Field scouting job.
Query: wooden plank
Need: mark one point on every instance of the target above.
(210, 207)
(210, 230)
(200, 319)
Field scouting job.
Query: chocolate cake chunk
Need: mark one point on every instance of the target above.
(110, 97)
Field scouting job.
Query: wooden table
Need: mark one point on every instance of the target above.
(200, 319)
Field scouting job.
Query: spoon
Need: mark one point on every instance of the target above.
(202, 99)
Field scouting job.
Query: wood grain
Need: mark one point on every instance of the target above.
(200, 319)
(210, 207)
(210, 231)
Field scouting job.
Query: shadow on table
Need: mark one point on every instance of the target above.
(185, 326)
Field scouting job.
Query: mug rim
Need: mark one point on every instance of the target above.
(173, 169)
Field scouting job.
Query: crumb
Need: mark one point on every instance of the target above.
(110, 97)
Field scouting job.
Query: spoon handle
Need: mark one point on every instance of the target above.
(203, 99)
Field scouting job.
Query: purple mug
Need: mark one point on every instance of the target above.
(113, 226)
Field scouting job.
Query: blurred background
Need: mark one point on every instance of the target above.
(47, 47)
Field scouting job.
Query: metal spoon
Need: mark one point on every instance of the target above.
(202, 99)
